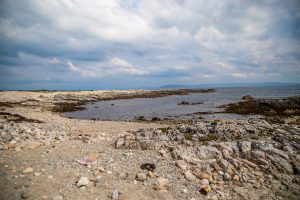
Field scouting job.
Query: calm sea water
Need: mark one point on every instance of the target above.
(167, 107)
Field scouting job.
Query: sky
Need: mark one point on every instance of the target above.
(117, 44)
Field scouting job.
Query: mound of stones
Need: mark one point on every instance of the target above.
(29, 135)
(229, 155)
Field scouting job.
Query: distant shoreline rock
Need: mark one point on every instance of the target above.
(286, 106)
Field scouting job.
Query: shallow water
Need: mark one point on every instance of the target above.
(167, 107)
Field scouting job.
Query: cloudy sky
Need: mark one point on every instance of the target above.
(101, 44)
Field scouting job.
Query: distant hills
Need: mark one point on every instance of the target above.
(265, 84)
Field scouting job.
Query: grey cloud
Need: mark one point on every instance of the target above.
(167, 41)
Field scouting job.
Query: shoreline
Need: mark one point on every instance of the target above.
(66, 101)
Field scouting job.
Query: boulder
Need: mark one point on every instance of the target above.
(208, 152)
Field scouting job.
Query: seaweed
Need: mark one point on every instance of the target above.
(155, 119)
(269, 107)
(188, 136)
(68, 106)
(18, 118)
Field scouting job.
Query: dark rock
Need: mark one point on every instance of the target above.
(247, 97)
(154, 119)
(184, 103)
(148, 166)
(140, 118)
(296, 167)
(24, 195)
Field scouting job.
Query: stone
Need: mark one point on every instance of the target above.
(236, 179)
(189, 176)
(57, 197)
(162, 181)
(244, 146)
(283, 187)
(204, 182)
(27, 170)
(141, 176)
(221, 173)
(202, 175)
(24, 194)
(17, 148)
(234, 162)
(120, 142)
(96, 172)
(205, 189)
(296, 166)
(181, 164)
(247, 97)
(251, 181)
(98, 178)
(83, 181)
(223, 164)
(115, 195)
(258, 174)
(270, 176)
(101, 169)
(148, 166)
(161, 184)
(208, 152)
(258, 154)
(249, 163)
(266, 147)
(214, 197)
(280, 153)
(250, 129)
(281, 164)
(37, 174)
(213, 186)
(227, 177)
(298, 157)
(289, 150)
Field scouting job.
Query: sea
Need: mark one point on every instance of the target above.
(206, 105)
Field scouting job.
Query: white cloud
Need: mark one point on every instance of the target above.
(72, 67)
(126, 67)
(114, 66)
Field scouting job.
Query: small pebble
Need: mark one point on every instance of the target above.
(27, 170)
(83, 181)
(204, 182)
(56, 197)
(141, 176)
(115, 195)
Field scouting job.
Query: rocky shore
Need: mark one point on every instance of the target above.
(250, 105)
(46, 156)
(226, 159)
